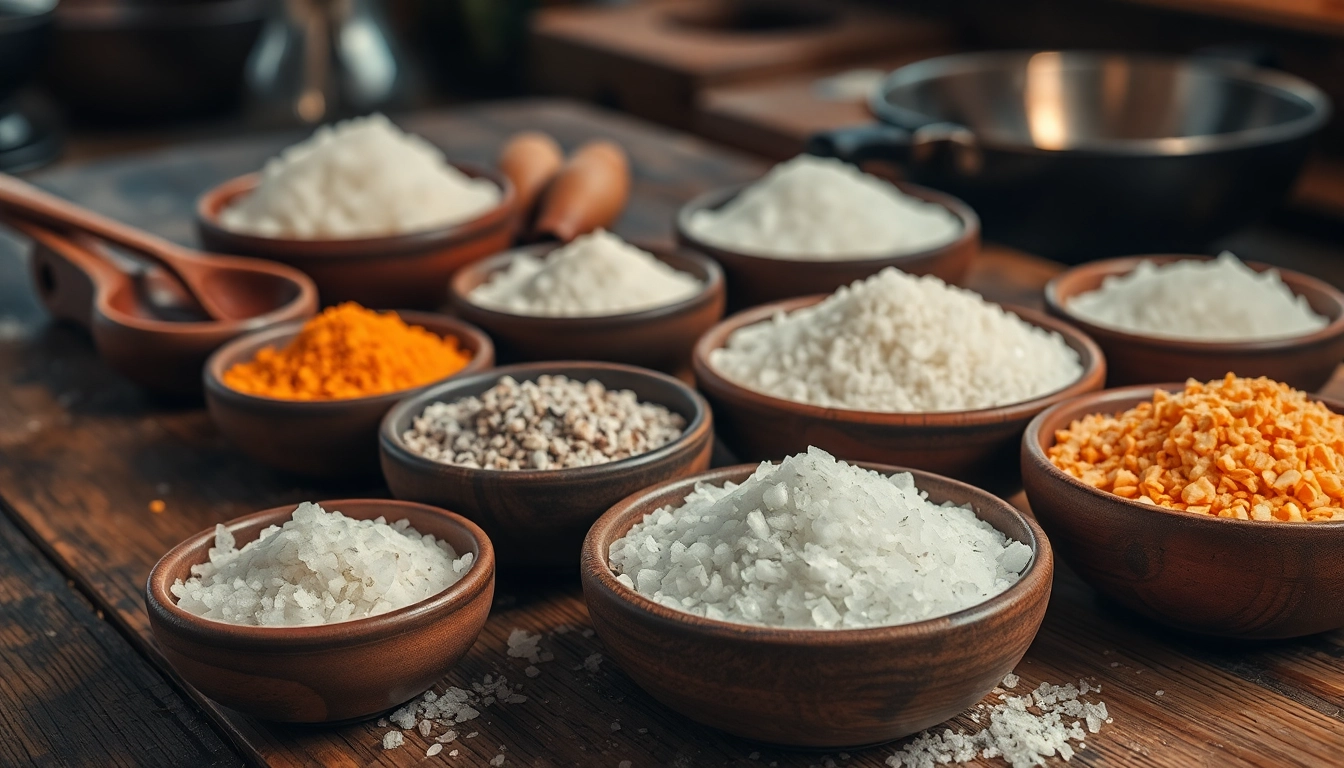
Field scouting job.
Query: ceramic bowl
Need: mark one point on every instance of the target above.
(755, 279)
(317, 438)
(659, 338)
(339, 672)
(810, 687)
(1306, 362)
(538, 518)
(979, 447)
(410, 270)
(1209, 575)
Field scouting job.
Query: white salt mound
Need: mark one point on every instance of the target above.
(1218, 300)
(361, 178)
(822, 209)
(597, 274)
(817, 543)
(319, 568)
(899, 343)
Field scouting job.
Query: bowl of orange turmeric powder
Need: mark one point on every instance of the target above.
(1212, 507)
(307, 397)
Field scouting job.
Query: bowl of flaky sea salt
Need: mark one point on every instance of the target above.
(328, 612)
(814, 602)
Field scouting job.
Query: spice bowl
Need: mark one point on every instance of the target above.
(979, 447)
(317, 438)
(338, 672)
(408, 270)
(756, 279)
(538, 518)
(1207, 575)
(814, 687)
(661, 337)
(1305, 362)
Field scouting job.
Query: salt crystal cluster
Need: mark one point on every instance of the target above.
(319, 568)
(899, 343)
(818, 543)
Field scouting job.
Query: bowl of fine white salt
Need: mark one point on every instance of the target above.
(328, 612)
(813, 602)
(1174, 317)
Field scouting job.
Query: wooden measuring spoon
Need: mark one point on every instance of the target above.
(530, 159)
(200, 274)
(588, 193)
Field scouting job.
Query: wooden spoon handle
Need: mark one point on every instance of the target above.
(69, 280)
(589, 192)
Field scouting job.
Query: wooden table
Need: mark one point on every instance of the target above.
(83, 453)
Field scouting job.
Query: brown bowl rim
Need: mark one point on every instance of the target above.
(717, 198)
(308, 637)
(214, 200)
(1098, 402)
(1057, 303)
(392, 446)
(712, 286)
(482, 360)
(1092, 359)
(1040, 569)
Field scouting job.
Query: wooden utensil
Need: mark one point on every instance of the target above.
(530, 159)
(588, 193)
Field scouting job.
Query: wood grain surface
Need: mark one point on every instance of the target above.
(83, 453)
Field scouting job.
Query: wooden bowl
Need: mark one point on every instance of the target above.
(410, 270)
(660, 338)
(338, 672)
(1306, 362)
(755, 279)
(538, 518)
(1209, 575)
(813, 687)
(979, 447)
(317, 438)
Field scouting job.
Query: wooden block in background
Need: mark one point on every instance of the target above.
(656, 58)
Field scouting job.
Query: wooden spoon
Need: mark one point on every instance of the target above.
(19, 199)
(530, 159)
(589, 192)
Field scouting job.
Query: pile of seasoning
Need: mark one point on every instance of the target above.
(552, 423)
(819, 543)
(349, 351)
(1218, 300)
(899, 343)
(597, 274)
(1249, 449)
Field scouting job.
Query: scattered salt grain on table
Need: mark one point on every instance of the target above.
(1218, 300)
(821, 209)
(359, 178)
(597, 274)
(899, 343)
(319, 568)
(817, 543)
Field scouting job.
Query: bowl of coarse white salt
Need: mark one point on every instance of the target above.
(326, 612)
(372, 213)
(887, 600)
(813, 224)
(596, 298)
(1171, 317)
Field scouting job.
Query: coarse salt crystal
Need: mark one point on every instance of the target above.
(393, 740)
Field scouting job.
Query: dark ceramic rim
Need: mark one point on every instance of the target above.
(621, 517)
(717, 198)
(1124, 398)
(355, 632)
(712, 285)
(230, 353)
(1283, 85)
(393, 447)
(1090, 356)
(215, 199)
(1058, 304)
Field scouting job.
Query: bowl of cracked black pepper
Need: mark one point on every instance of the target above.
(534, 453)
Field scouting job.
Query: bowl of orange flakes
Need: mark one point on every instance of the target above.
(1215, 508)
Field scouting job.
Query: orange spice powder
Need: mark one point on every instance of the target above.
(1250, 449)
(349, 351)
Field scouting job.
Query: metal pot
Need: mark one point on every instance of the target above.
(1080, 155)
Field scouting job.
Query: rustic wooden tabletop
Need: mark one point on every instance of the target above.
(83, 453)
